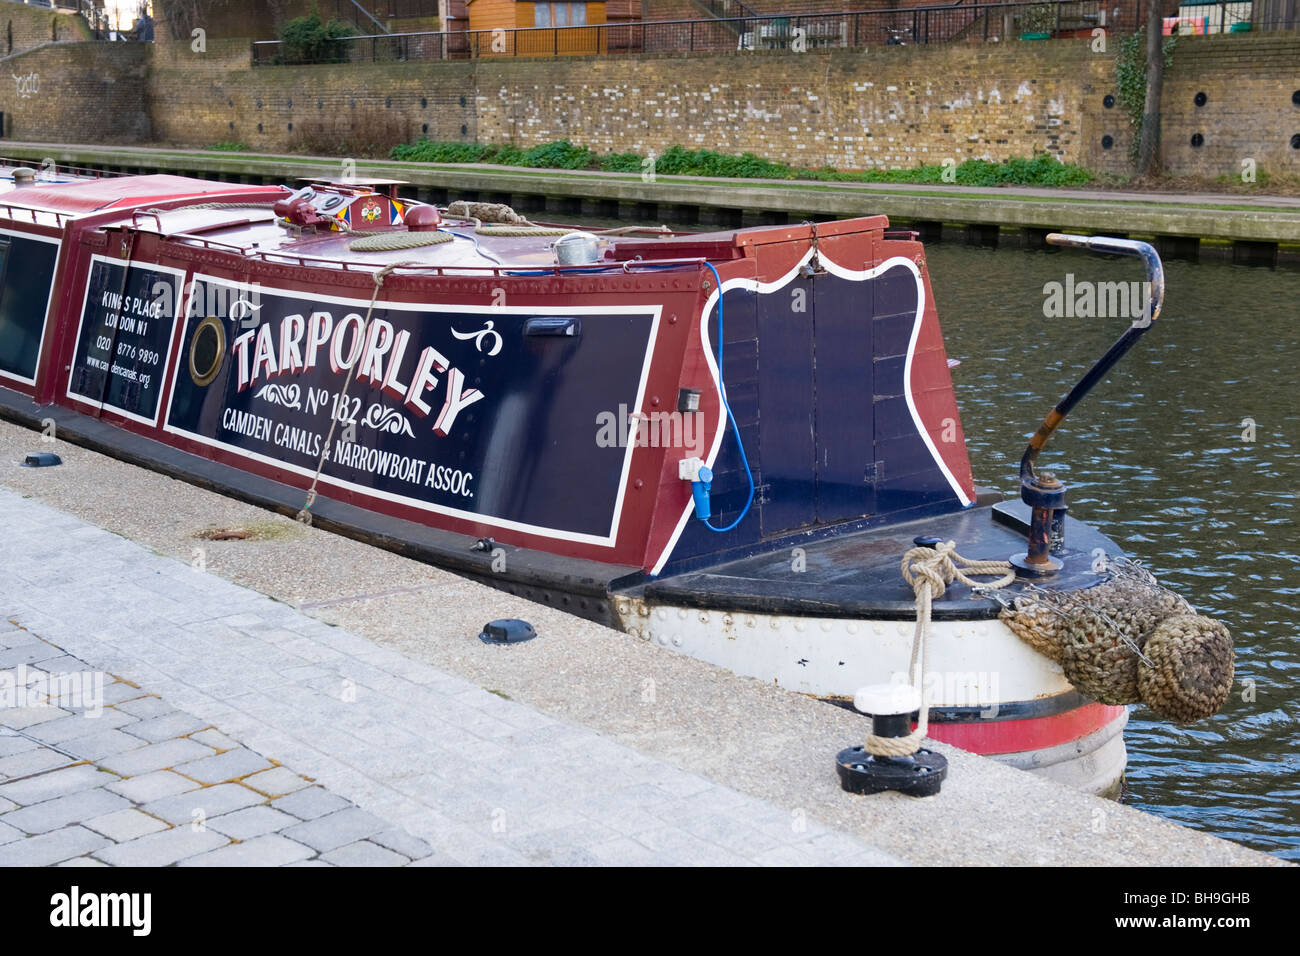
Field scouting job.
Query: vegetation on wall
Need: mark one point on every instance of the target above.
(368, 135)
(1039, 170)
(310, 39)
(1131, 79)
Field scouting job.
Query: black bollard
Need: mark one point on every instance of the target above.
(891, 708)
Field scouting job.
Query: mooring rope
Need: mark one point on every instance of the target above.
(529, 230)
(389, 241)
(929, 571)
(305, 514)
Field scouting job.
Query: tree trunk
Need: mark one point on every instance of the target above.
(1148, 158)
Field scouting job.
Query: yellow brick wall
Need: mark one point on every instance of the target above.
(850, 109)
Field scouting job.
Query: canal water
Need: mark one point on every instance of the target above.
(1187, 457)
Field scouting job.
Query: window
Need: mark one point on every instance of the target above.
(559, 14)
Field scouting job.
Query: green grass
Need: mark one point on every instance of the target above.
(1039, 170)
(276, 162)
(558, 155)
(228, 147)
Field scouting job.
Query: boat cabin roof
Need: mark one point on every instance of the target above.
(242, 220)
(95, 195)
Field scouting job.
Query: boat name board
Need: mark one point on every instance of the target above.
(452, 409)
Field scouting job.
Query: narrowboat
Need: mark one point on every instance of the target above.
(720, 442)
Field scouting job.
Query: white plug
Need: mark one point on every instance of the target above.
(688, 469)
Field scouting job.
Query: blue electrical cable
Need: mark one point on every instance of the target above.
(473, 239)
(722, 390)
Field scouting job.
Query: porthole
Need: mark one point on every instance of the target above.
(1200, 99)
(1108, 101)
(1107, 142)
(207, 350)
(1197, 141)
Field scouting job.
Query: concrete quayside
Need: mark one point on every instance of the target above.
(304, 688)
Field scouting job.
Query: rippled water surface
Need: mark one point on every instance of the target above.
(1157, 458)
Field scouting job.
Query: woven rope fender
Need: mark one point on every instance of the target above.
(1192, 668)
(486, 211)
(1105, 639)
(1105, 633)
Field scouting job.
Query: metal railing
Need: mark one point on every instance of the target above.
(729, 9)
(904, 26)
(363, 12)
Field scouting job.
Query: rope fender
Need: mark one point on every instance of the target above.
(1129, 641)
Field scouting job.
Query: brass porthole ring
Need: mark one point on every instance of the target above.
(207, 350)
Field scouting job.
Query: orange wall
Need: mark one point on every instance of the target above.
(487, 15)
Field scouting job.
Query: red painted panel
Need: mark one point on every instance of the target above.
(1036, 733)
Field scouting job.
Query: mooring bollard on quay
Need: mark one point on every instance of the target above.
(892, 757)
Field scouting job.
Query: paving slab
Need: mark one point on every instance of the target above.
(364, 853)
(11, 743)
(276, 782)
(50, 848)
(152, 757)
(232, 765)
(336, 829)
(201, 804)
(161, 849)
(153, 786)
(311, 803)
(165, 726)
(62, 811)
(55, 783)
(122, 826)
(269, 850)
(78, 725)
(31, 762)
(252, 822)
(108, 743)
(214, 739)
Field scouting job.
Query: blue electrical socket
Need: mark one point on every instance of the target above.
(700, 492)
